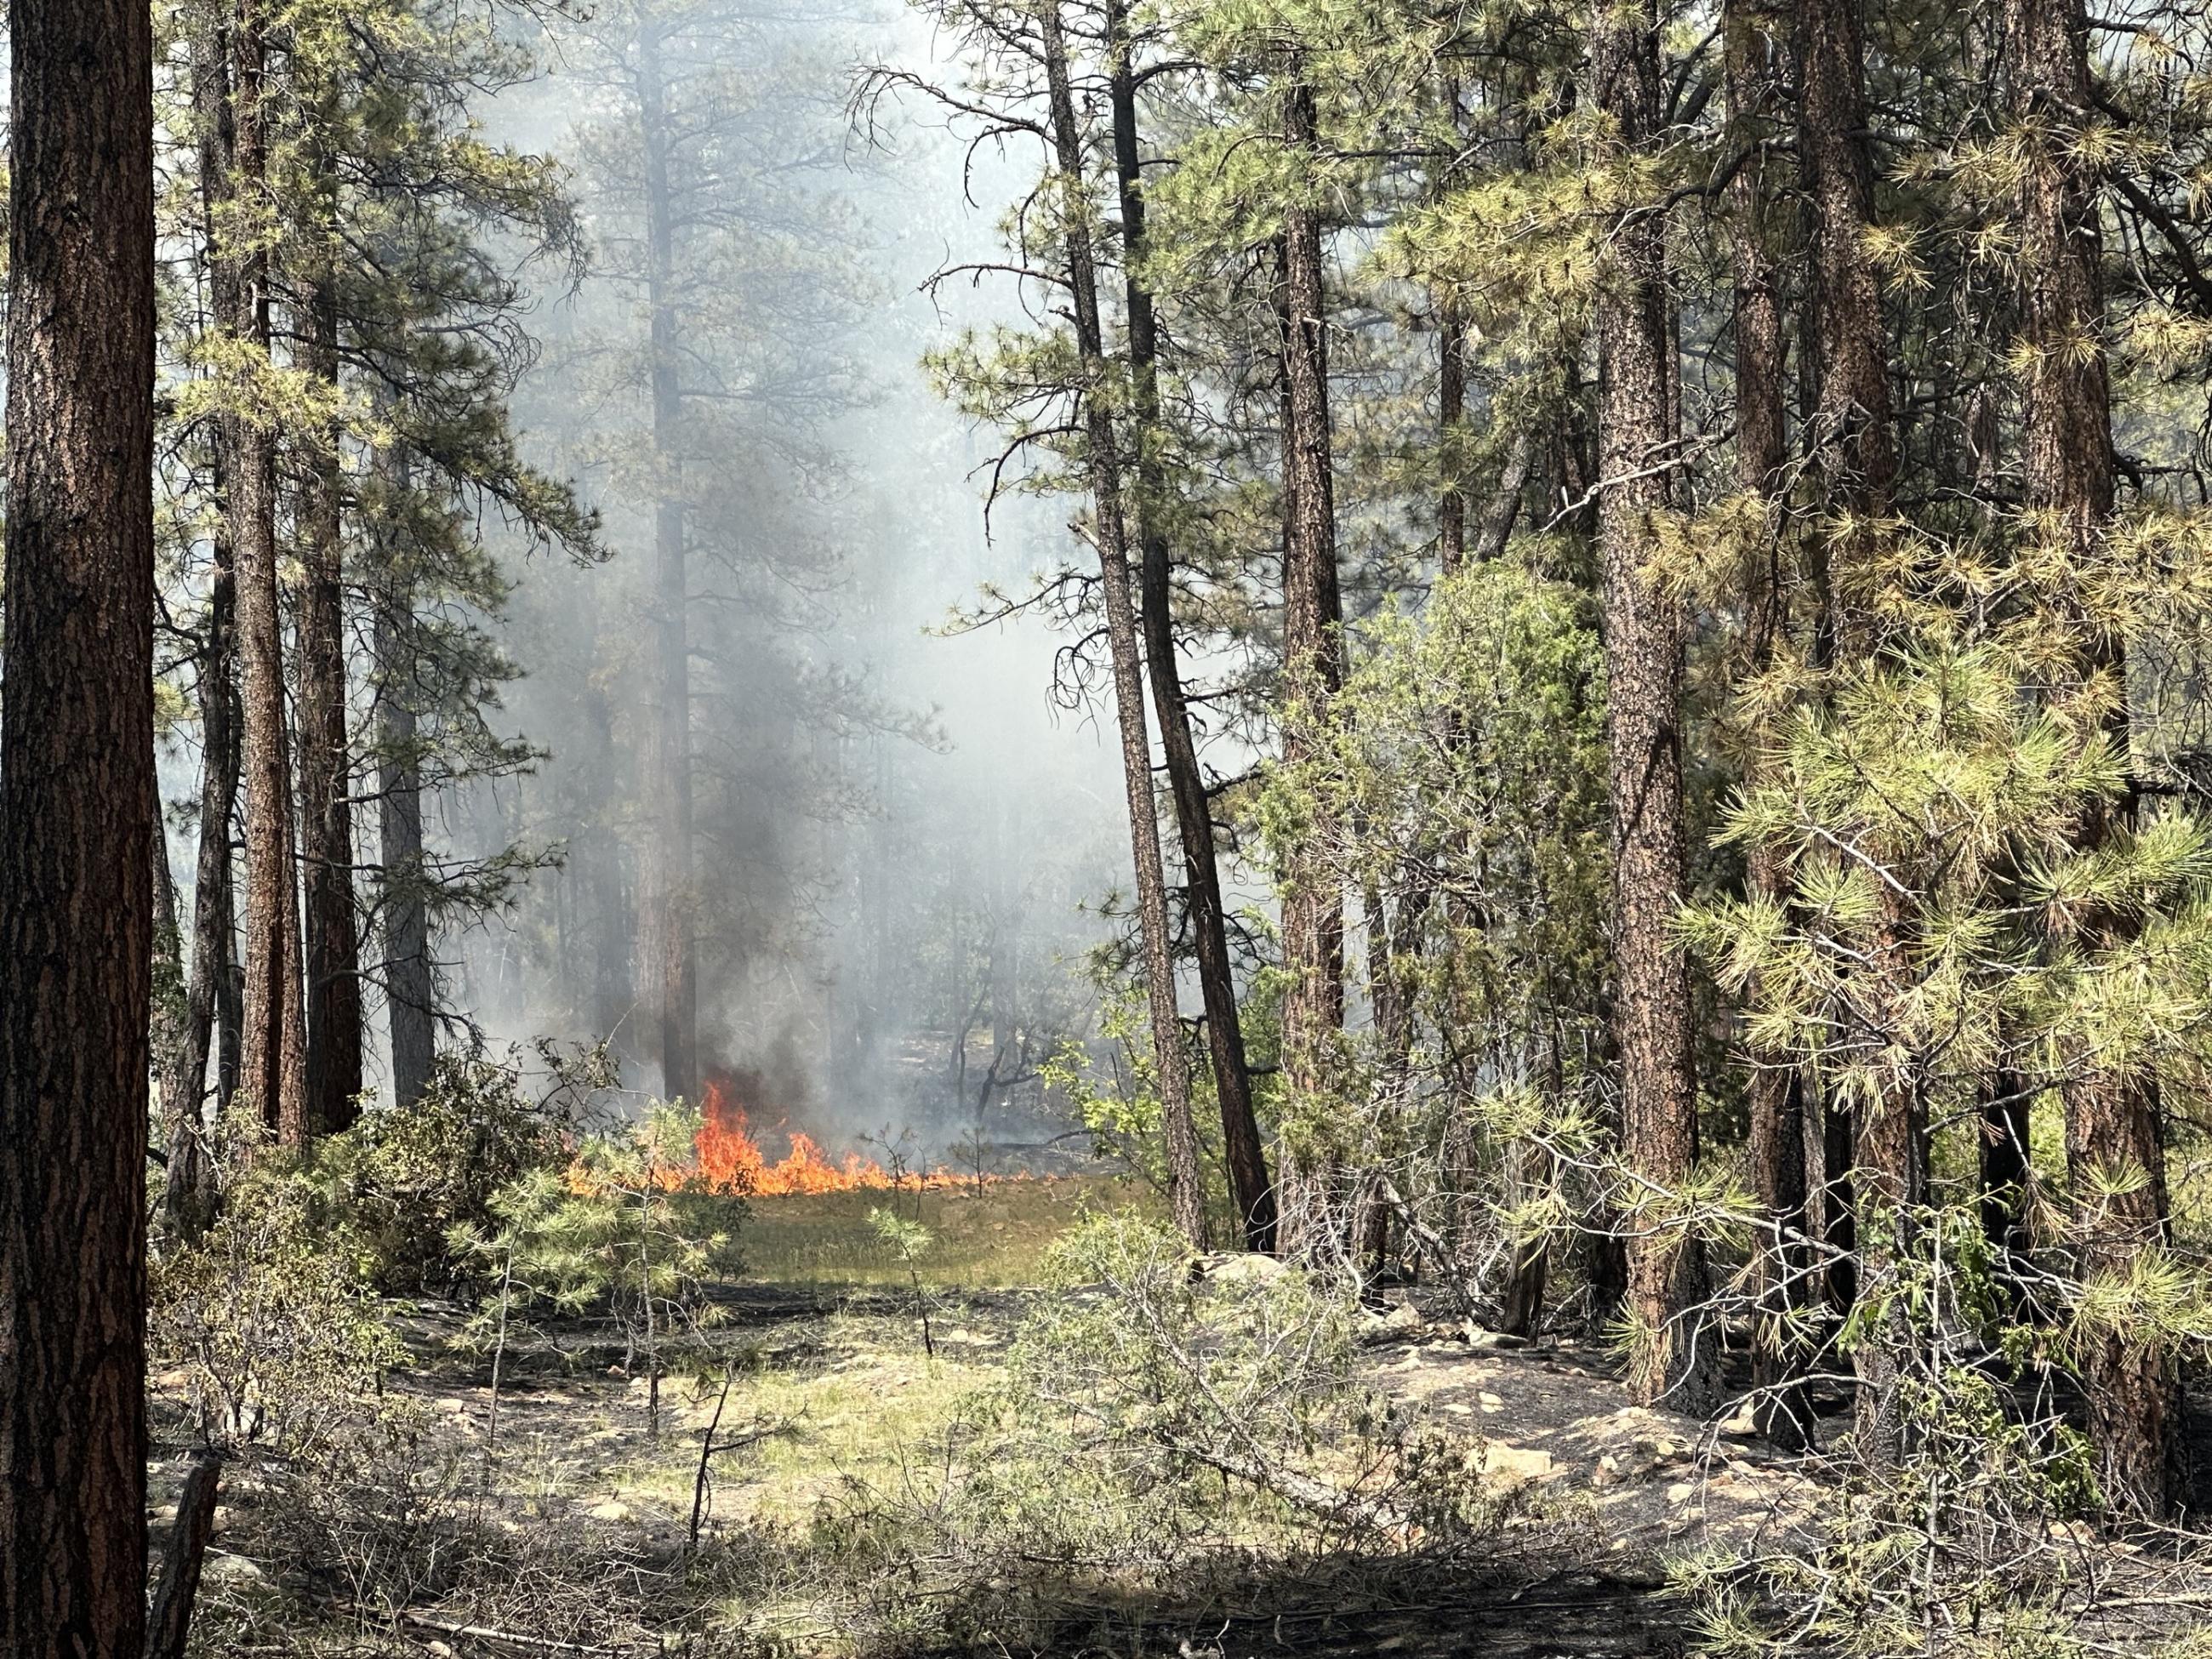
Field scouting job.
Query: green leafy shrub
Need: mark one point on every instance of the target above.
(402, 1179)
(1158, 1432)
(621, 1231)
(272, 1319)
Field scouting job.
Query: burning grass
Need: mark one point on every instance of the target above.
(727, 1158)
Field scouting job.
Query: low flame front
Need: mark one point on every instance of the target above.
(731, 1161)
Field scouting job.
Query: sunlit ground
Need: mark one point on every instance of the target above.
(979, 1240)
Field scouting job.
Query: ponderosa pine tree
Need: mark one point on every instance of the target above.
(213, 1009)
(1102, 462)
(1752, 49)
(76, 798)
(1313, 649)
(2114, 1149)
(1639, 444)
(715, 330)
(1243, 1149)
(1020, 68)
(330, 932)
(1855, 448)
(272, 1069)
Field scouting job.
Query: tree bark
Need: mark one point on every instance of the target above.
(670, 900)
(1639, 443)
(1855, 436)
(597, 862)
(1854, 445)
(170, 1622)
(1452, 421)
(1777, 1087)
(1244, 1151)
(1186, 1193)
(333, 1065)
(333, 952)
(2004, 1168)
(273, 1062)
(409, 991)
(188, 1192)
(77, 796)
(167, 1021)
(2112, 1122)
(1313, 670)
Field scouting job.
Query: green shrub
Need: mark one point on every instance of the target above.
(621, 1231)
(403, 1178)
(1158, 1436)
(272, 1319)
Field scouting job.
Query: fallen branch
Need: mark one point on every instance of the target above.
(476, 1632)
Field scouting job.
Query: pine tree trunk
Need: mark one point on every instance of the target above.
(189, 1193)
(1777, 1099)
(273, 1063)
(168, 1021)
(2112, 1122)
(2004, 1168)
(670, 906)
(1313, 670)
(1245, 1152)
(76, 797)
(1637, 437)
(1186, 1191)
(410, 990)
(169, 1623)
(1855, 436)
(1855, 446)
(606, 923)
(332, 941)
(190, 1190)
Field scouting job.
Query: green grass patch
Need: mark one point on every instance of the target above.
(979, 1240)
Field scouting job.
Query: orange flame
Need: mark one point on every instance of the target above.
(730, 1160)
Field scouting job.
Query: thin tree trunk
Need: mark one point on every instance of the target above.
(1245, 1152)
(1495, 532)
(190, 1189)
(1186, 1193)
(273, 1064)
(1638, 441)
(1776, 1087)
(2112, 1122)
(598, 852)
(167, 1016)
(1313, 670)
(670, 901)
(1452, 421)
(1855, 445)
(2004, 1169)
(77, 796)
(212, 1012)
(409, 993)
(332, 940)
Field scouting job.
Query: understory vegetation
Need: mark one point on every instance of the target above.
(628, 1440)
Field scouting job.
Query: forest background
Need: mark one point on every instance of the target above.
(1643, 571)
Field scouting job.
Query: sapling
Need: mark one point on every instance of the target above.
(912, 1241)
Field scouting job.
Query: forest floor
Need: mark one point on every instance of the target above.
(830, 1393)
